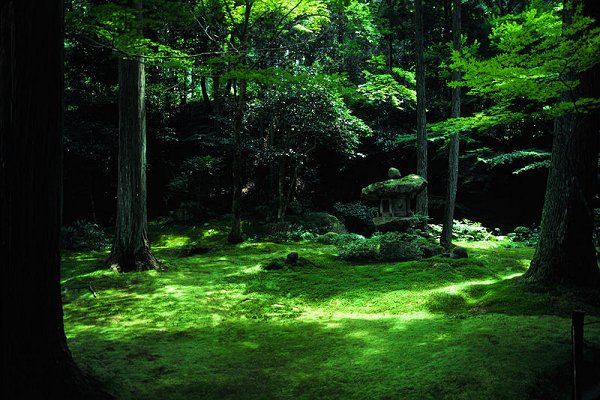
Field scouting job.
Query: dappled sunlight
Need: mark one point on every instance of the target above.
(211, 233)
(460, 287)
(217, 325)
(171, 241)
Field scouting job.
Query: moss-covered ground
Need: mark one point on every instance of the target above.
(218, 326)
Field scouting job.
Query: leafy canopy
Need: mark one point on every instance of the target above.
(537, 57)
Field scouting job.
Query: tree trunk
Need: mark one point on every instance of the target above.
(131, 251)
(216, 92)
(205, 94)
(184, 87)
(235, 235)
(292, 187)
(446, 236)
(422, 206)
(36, 362)
(565, 251)
(280, 189)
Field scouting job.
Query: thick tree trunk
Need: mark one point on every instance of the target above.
(36, 363)
(131, 251)
(446, 236)
(565, 251)
(235, 235)
(422, 202)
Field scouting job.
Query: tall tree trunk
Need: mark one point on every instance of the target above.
(216, 92)
(36, 362)
(235, 235)
(271, 174)
(446, 236)
(184, 87)
(292, 187)
(131, 251)
(280, 189)
(205, 94)
(422, 206)
(565, 251)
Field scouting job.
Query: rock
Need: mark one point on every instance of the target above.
(292, 258)
(431, 251)
(192, 250)
(394, 173)
(274, 265)
(459, 252)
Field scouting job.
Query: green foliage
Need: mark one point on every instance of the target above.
(356, 215)
(121, 28)
(389, 246)
(532, 158)
(303, 114)
(359, 249)
(83, 235)
(339, 239)
(394, 246)
(466, 230)
(536, 57)
(522, 235)
(306, 226)
(381, 89)
(195, 175)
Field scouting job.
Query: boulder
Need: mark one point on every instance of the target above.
(292, 258)
(459, 252)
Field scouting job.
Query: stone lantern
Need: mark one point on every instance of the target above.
(394, 197)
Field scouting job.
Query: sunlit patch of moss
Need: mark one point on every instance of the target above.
(171, 241)
(211, 233)
(218, 326)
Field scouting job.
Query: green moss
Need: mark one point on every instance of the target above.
(410, 184)
(218, 326)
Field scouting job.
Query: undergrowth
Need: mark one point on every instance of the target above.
(219, 326)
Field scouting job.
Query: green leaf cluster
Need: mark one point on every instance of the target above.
(533, 72)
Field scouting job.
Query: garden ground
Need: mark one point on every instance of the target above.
(219, 326)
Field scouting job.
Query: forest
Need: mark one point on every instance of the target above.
(300, 199)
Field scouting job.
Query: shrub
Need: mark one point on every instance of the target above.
(281, 232)
(524, 235)
(346, 238)
(469, 230)
(391, 246)
(327, 238)
(356, 216)
(359, 250)
(395, 246)
(83, 235)
(320, 222)
(306, 227)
